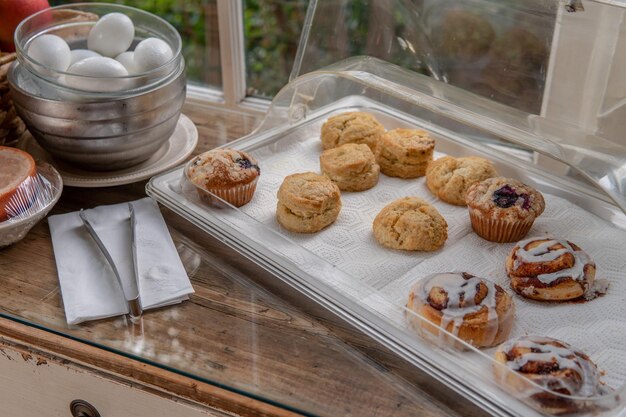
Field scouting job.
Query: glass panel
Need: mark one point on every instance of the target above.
(568, 106)
(231, 333)
(498, 49)
(272, 31)
(196, 21)
(342, 270)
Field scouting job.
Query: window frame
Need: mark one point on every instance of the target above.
(233, 63)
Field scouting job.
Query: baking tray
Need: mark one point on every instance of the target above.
(336, 267)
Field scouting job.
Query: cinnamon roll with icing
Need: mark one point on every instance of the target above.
(550, 269)
(557, 370)
(474, 309)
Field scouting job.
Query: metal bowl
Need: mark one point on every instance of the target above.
(101, 135)
(91, 129)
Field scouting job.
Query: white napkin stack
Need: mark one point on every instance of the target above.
(88, 285)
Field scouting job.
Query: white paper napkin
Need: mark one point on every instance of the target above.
(88, 285)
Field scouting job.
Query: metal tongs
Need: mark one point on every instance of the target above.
(134, 304)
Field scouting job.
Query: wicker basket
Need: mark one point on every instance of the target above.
(12, 128)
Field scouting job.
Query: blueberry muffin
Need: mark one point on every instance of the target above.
(410, 223)
(352, 127)
(405, 153)
(351, 166)
(449, 178)
(307, 202)
(229, 174)
(503, 209)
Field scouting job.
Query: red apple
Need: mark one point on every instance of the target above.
(12, 12)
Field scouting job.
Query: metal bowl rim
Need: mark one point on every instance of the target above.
(140, 131)
(75, 6)
(172, 78)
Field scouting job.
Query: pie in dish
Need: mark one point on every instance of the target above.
(16, 169)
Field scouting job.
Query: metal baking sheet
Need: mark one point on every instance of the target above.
(345, 270)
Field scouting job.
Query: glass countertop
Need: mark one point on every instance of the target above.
(234, 332)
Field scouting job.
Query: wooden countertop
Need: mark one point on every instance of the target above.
(261, 354)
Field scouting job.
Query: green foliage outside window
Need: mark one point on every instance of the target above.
(272, 32)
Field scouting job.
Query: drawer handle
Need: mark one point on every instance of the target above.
(81, 408)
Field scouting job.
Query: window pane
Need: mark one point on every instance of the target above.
(495, 48)
(196, 21)
(272, 32)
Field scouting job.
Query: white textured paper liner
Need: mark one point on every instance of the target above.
(597, 327)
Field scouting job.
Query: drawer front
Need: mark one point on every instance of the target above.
(33, 386)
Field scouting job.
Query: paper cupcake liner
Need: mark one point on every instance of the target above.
(500, 231)
(237, 195)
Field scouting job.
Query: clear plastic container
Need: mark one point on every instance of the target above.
(575, 162)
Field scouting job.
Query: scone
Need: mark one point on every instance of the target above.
(352, 127)
(547, 371)
(503, 209)
(351, 166)
(471, 308)
(410, 223)
(307, 202)
(405, 153)
(548, 269)
(229, 174)
(449, 178)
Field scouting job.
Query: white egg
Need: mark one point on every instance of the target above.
(80, 54)
(111, 35)
(151, 53)
(50, 51)
(128, 60)
(97, 74)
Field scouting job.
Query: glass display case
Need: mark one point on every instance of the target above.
(536, 88)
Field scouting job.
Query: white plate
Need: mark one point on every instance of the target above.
(173, 152)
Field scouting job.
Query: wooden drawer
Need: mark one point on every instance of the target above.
(37, 386)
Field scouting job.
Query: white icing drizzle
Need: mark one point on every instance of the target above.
(542, 253)
(564, 357)
(456, 286)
